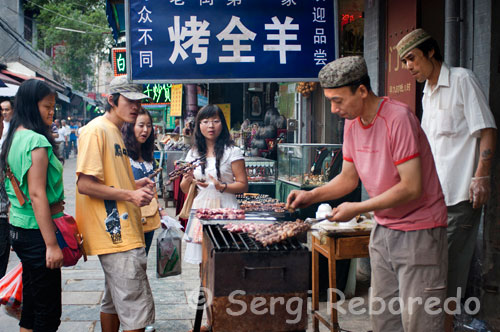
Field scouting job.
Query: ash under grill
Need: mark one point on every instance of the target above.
(223, 240)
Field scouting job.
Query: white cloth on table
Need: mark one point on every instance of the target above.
(209, 197)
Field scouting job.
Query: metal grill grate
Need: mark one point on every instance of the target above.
(223, 240)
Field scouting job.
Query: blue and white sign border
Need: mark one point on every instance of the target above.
(219, 80)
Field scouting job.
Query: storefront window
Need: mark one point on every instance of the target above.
(351, 25)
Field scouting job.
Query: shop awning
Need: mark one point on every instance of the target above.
(21, 77)
(62, 97)
(9, 91)
(7, 79)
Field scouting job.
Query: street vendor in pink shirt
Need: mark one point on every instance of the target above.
(385, 147)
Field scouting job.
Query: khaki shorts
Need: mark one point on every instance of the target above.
(126, 289)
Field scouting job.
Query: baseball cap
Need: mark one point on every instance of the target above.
(129, 90)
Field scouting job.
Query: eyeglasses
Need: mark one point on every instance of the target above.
(207, 122)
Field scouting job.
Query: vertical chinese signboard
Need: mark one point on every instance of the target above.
(189, 41)
(119, 55)
(176, 106)
(226, 110)
(401, 19)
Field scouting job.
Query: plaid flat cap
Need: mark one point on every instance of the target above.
(410, 41)
(343, 72)
(131, 91)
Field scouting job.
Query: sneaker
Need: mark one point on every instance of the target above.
(149, 328)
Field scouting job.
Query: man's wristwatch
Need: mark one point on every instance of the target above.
(223, 189)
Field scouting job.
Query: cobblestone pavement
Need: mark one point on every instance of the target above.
(83, 287)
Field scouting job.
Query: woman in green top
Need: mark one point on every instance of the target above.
(29, 150)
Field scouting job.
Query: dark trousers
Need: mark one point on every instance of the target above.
(4, 245)
(71, 146)
(41, 310)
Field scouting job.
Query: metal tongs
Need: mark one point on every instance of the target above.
(313, 221)
(185, 168)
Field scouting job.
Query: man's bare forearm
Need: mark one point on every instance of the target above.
(487, 147)
(338, 187)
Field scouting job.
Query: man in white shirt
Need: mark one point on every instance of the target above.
(462, 133)
(7, 112)
(60, 139)
(67, 132)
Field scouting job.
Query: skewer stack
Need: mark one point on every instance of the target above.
(183, 168)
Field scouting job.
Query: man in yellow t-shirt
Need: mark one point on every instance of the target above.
(108, 214)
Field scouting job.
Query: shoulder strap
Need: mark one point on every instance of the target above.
(21, 197)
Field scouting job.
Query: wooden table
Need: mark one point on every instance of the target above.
(334, 246)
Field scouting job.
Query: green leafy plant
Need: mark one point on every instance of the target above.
(78, 33)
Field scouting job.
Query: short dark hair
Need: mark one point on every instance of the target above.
(427, 46)
(108, 106)
(365, 80)
(10, 102)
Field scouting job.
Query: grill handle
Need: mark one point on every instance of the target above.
(248, 269)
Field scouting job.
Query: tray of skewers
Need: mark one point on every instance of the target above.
(268, 234)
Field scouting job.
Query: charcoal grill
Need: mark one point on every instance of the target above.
(235, 262)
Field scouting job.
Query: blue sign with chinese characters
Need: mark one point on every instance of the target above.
(228, 40)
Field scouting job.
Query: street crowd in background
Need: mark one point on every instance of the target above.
(420, 221)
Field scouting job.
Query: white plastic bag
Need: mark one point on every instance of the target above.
(169, 248)
(208, 198)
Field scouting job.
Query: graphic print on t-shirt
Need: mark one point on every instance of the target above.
(119, 151)
(112, 221)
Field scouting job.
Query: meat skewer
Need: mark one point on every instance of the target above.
(268, 234)
(185, 168)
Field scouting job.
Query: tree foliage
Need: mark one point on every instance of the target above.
(75, 53)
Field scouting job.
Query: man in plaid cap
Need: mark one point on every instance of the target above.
(462, 133)
(107, 211)
(385, 147)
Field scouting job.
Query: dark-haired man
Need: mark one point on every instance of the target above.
(462, 133)
(7, 112)
(385, 147)
(108, 215)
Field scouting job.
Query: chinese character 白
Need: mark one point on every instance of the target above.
(236, 38)
(320, 57)
(282, 37)
(206, 2)
(199, 34)
(288, 3)
(146, 58)
(144, 15)
(145, 35)
(319, 15)
(319, 37)
(120, 62)
(233, 2)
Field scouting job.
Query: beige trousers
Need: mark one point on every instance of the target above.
(409, 271)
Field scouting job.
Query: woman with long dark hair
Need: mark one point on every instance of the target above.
(221, 174)
(140, 142)
(30, 152)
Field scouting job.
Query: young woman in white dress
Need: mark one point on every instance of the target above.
(221, 176)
